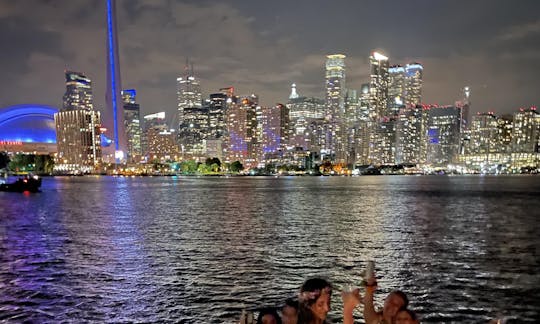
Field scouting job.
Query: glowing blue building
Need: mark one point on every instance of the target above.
(28, 128)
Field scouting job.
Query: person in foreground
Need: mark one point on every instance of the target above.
(406, 316)
(268, 316)
(314, 301)
(394, 302)
(289, 311)
(351, 299)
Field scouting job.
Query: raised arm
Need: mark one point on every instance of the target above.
(351, 299)
(370, 314)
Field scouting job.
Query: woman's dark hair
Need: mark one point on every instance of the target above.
(291, 302)
(310, 291)
(268, 311)
(403, 296)
(411, 313)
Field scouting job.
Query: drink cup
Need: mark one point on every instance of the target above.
(370, 271)
(348, 288)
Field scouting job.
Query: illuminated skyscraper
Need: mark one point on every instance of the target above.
(159, 141)
(336, 144)
(484, 129)
(352, 107)
(413, 84)
(364, 102)
(192, 116)
(504, 133)
(78, 94)
(132, 124)
(405, 86)
(335, 85)
(302, 110)
(188, 94)
(242, 130)
(114, 112)
(378, 86)
(216, 115)
(526, 131)
(193, 131)
(382, 141)
(77, 127)
(443, 135)
(275, 131)
(149, 121)
(410, 136)
(360, 133)
(526, 139)
(396, 89)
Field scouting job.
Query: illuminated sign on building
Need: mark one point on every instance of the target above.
(11, 143)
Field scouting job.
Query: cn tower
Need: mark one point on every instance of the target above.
(113, 120)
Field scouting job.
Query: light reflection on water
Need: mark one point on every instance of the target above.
(202, 249)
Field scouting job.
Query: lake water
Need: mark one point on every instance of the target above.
(199, 250)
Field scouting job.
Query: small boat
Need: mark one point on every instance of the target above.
(31, 184)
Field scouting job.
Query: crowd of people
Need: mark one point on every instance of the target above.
(313, 305)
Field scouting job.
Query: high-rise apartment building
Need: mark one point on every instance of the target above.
(526, 131)
(335, 85)
(352, 107)
(443, 135)
(156, 120)
(78, 127)
(302, 110)
(132, 125)
(275, 132)
(188, 94)
(242, 130)
(336, 144)
(410, 135)
(483, 134)
(162, 145)
(381, 120)
(318, 136)
(382, 150)
(413, 84)
(78, 94)
(378, 86)
(525, 139)
(363, 102)
(217, 107)
(194, 130)
(159, 142)
(396, 89)
(504, 133)
(405, 86)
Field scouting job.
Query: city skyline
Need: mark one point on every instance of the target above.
(238, 44)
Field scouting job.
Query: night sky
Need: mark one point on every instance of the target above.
(262, 47)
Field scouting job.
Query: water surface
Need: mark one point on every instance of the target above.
(199, 250)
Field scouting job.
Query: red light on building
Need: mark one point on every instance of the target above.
(11, 143)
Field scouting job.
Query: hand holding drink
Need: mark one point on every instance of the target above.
(369, 275)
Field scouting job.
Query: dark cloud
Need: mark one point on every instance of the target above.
(263, 46)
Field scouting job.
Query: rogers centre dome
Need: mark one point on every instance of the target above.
(27, 128)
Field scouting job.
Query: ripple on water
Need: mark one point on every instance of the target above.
(199, 250)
